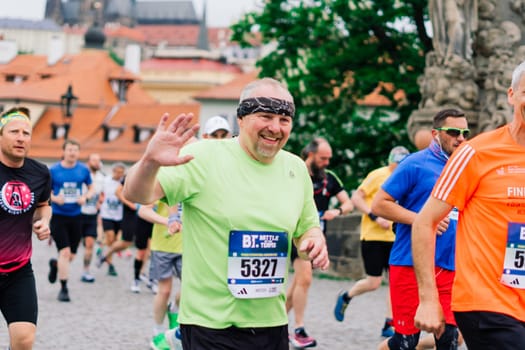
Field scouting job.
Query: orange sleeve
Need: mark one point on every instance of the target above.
(457, 181)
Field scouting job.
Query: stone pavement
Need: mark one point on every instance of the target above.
(105, 315)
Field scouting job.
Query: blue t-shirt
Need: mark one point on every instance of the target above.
(410, 185)
(68, 181)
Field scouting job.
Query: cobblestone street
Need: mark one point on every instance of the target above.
(107, 315)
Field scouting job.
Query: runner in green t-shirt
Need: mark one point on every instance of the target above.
(244, 201)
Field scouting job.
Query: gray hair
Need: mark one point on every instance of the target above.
(248, 89)
(516, 76)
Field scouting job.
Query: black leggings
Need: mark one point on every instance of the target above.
(18, 300)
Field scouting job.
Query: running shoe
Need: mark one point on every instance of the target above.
(300, 339)
(63, 295)
(173, 338)
(128, 253)
(87, 278)
(387, 332)
(112, 271)
(100, 260)
(158, 342)
(144, 279)
(135, 286)
(340, 306)
(154, 287)
(151, 284)
(53, 269)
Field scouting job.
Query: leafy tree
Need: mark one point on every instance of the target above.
(331, 53)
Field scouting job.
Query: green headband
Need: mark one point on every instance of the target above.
(14, 116)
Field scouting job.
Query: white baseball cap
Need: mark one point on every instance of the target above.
(216, 123)
(397, 154)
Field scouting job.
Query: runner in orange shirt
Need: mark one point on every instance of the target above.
(484, 179)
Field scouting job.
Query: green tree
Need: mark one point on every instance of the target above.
(331, 53)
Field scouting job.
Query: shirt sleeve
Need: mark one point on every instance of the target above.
(459, 178)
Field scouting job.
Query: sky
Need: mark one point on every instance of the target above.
(220, 13)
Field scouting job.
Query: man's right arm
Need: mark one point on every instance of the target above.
(358, 199)
(141, 185)
(429, 315)
(385, 206)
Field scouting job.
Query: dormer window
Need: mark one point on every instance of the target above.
(13, 78)
(141, 133)
(120, 81)
(59, 131)
(111, 133)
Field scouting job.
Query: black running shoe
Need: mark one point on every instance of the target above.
(53, 269)
(63, 295)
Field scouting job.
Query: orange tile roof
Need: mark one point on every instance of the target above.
(123, 148)
(185, 35)
(231, 90)
(121, 31)
(173, 35)
(377, 99)
(194, 64)
(86, 127)
(89, 73)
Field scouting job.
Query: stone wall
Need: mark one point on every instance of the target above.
(342, 238)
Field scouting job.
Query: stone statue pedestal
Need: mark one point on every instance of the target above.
(476, 83)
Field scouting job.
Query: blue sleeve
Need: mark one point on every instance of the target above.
(400, 182)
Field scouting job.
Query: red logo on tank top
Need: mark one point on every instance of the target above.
(16, 197)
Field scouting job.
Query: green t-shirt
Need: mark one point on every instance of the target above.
(223, 189)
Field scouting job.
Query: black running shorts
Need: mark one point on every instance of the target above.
(66, 231)
(18, 300)
(202, 338)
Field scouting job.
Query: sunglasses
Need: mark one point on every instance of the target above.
(455, 132)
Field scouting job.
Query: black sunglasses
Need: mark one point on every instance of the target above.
(455, 132)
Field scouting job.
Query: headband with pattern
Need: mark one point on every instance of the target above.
(267, 105)
(14, 116)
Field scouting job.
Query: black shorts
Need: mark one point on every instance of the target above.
(66, 231)
(111, 225)
(89, 225)
(18, 300)
(129, 225)
(483, 330)
(375, 256)
(202, 338)
(141, 231)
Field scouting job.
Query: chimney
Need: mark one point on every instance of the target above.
(132, 58)
(8, 51)
(56, 50)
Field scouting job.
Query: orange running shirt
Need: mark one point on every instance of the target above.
(485, 180)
